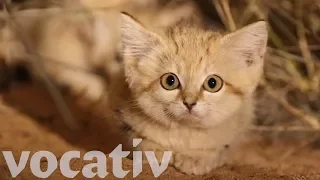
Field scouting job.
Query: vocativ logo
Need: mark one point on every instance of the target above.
(99, 168)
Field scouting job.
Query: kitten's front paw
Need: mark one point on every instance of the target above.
(195, 166)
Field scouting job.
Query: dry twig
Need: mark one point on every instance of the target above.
(227, 12)
(303, 44)
(310, 120)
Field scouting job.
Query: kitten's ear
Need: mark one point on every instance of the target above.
(248, 44)
(136, 40)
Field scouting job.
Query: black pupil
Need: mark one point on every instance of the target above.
(212, 83)
(170, 80)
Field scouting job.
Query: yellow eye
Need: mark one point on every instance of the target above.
(169, 81)
(213, 83)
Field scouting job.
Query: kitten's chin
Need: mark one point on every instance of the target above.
(192, 119)
(195, 120)
(193, 116)
(184, 117)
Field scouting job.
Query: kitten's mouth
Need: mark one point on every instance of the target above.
(191, 115)
(185, 115)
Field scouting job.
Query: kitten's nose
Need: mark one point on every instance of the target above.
(189, 104)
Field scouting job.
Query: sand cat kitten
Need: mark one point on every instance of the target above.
(192, 89)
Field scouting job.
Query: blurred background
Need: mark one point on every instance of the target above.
(288, 97)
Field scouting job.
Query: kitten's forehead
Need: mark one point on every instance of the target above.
(186, 37)
(190, 48)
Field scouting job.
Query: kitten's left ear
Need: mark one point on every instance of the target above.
(136, 40)
(248, 44)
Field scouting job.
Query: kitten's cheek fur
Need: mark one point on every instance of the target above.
(153, 108)
(200, 111)
(176, 109)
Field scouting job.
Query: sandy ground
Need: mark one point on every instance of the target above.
(260, 158)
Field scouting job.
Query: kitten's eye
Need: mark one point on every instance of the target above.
(213, 83)
(169, 81)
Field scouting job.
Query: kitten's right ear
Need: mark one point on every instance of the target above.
(248, 44)
(136, 40)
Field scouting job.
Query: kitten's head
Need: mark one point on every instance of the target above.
(192, 76)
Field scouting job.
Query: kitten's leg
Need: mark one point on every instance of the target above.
(147, 145)
(86, 88)
(199, 164)
(157, 149)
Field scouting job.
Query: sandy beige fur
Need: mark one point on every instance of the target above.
(198, 138)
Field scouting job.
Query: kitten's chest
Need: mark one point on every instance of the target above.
(177, 138)
(184, 139)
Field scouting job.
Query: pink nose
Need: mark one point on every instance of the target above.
(189, 105)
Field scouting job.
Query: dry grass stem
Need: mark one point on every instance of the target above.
(228, 16)
(219, 9)
(309, 119)
(303, 44)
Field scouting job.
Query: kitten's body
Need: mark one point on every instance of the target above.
(198, 136)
